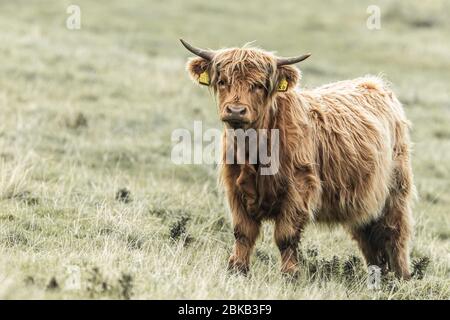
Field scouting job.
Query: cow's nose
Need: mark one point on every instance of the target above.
(236, 110)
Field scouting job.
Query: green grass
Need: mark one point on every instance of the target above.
(85, 113)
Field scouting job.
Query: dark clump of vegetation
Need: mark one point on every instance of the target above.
(323, 269)
(310, 261)
(443, 134)
(96, 284)
(31, 226)
(423, 22)
(444, 235)
(126, 286)
(29, 280)
(8, 217)
(352, 270)
(330, 268)
(220, 224)
(178, 230)
(420, 19)
(352, 267)
(167, 214)
(15, 239)
(159, 212)
(78, 121)
(431, 198)
(420, 266)
(107, 230)
(123, 195)
(135, 242)
(53, 284)
(263, 256)
(312, 252)
(27, 198)
(390, 283)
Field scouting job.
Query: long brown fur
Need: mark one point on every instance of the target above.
(344, 159)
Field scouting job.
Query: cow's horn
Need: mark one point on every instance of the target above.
(205, 54)
(292, 60)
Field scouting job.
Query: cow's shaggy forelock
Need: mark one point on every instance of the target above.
(245, 65)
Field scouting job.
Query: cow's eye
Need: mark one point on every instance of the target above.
(221, 83)
(258, 87)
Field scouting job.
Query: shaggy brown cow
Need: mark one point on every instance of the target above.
(344, 157)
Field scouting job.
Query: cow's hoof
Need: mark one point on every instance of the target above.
(238, 267)
(291, 273)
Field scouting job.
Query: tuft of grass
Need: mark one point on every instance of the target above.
(178, 230)
(126, 286)
(263, 256)
(97, 285)
(76, 121)
(53, 284)
(420, 266)
(352, 267)
(135, 242)
(123, 195)
(14, 239)
(29, 280)
(14, 178)
(27, 198)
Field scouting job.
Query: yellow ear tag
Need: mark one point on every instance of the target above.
(204, 78)
(283, 85)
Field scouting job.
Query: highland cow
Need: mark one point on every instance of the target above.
(344, 157)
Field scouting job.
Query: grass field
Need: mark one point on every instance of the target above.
(86, 180)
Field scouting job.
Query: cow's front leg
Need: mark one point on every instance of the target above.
(246, 231)
(288, 229)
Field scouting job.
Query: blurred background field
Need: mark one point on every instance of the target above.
(86, 181)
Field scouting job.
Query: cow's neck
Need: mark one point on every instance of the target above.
(262, 193)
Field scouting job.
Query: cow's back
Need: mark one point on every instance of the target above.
(354, 124)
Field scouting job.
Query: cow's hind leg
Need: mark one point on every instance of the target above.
(397, 213)
(371, 239)
(386, 240)
(397, 220)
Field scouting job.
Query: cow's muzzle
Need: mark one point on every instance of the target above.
(236, 123)
(236, 116)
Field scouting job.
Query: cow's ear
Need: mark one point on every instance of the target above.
(198, 69)
(287, 78)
